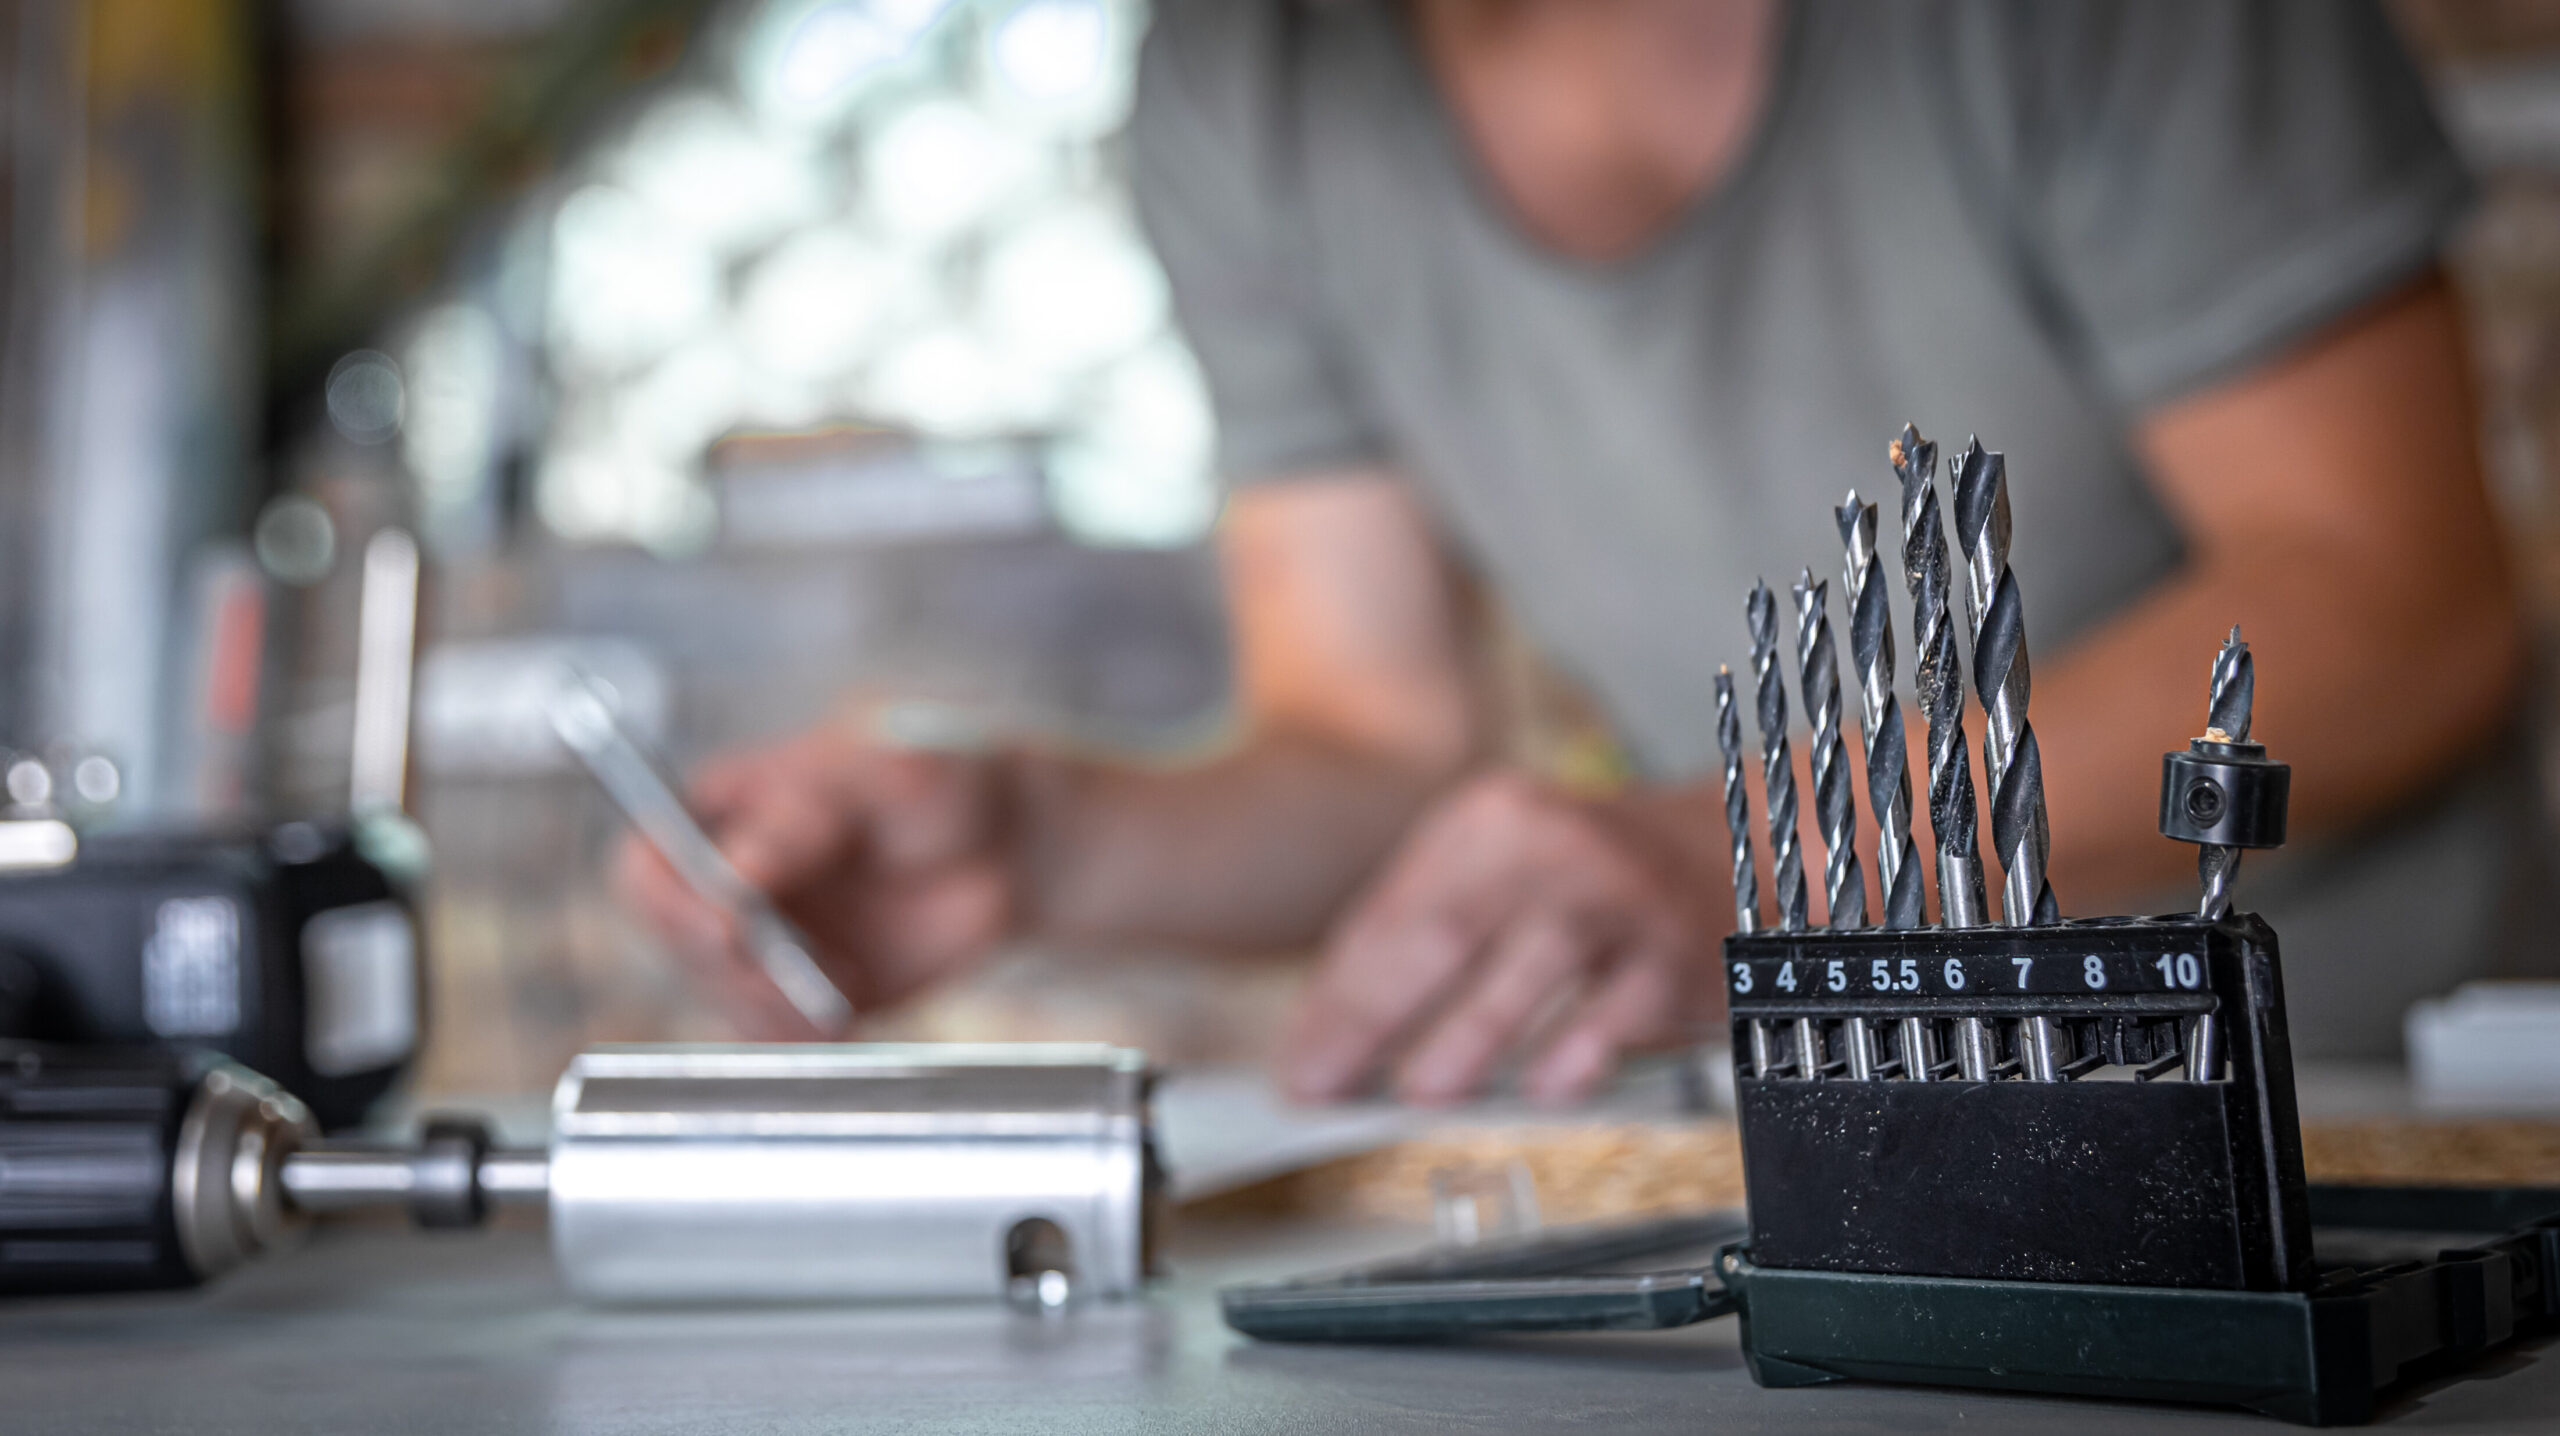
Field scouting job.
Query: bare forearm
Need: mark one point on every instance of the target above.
(2335, 509)
(1253, 852)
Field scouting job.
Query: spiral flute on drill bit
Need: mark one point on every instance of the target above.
(2012, 767)
(1835, 807)
(1777, 773)
(1737, 806)
(1938, 678)
(1880, 715)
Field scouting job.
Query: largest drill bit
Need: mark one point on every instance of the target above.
(1938, 677)
(2011, 764)
(1880, 715)
(2234, 692)
(1835, 808)
(1777, 773)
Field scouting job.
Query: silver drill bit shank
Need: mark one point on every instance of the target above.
(2011, 764)
(1835, 807)
(2234, 692)
(1778, 778)
(1880, 714)
(1938, 677)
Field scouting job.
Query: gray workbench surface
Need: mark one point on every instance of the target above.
(380, 1330)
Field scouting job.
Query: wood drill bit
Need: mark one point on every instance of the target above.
(1737, 824)
(1880, 714)
(2234, 692)
(1835, 807)
(1938, 678)
(1938, 675)
(1777, 773)
(1778, 777)
(2011, 764)
(1737, 806)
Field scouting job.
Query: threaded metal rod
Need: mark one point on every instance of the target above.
(1937, 676)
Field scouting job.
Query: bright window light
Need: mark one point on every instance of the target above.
(818, 304)
(939, 168)
(705, 170)
(625, 285)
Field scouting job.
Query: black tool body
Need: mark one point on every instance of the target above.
(2131, 1173)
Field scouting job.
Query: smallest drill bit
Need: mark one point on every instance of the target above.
(1737, 824)
(1737, 805)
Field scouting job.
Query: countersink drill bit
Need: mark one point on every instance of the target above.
(2011, 765)
(2234, 692)
(1777, 777)
(1938, 678)
(1835, 808)
(1880, 715)
(1737, 823)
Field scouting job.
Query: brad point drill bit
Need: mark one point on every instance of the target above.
(1777, 773)
(1737, 806)
(2011, 764)
(1737, 823)
(1938, 676)
(1777, 776)
(2235, 690)
(1835, 808)
(1880, 714)
(1888, 766)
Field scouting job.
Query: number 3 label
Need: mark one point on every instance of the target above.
(1742, 977)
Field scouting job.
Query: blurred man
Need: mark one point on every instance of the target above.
(1605, 303)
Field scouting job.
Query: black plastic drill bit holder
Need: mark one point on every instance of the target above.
(2140, 1229)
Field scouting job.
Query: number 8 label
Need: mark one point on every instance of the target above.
(2093, 972)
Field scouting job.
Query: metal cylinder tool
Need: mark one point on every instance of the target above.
(674, 1173)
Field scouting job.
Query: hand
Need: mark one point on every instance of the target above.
(894, 863)
(1518, 918)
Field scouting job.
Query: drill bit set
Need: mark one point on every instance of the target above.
(2037, 1047)
(2002, 1149)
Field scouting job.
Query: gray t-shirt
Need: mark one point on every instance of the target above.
(2031, 221)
